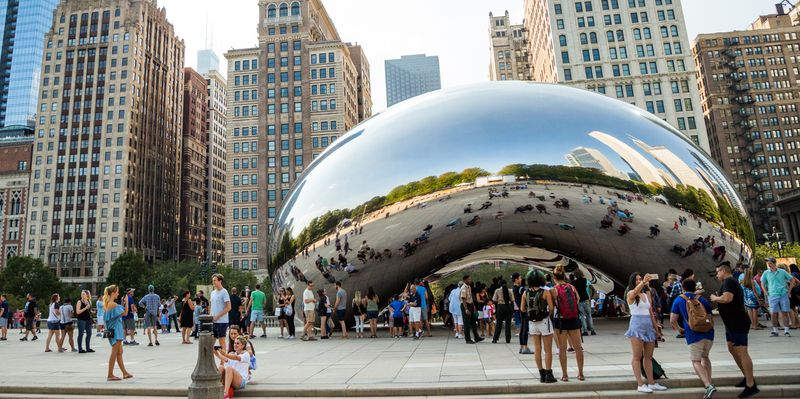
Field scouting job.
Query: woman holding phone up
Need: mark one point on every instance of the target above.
(642, 332)
(113, 313)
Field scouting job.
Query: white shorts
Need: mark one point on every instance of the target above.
(101, 321)
(544, 327)
(458, 319)
(414, 315)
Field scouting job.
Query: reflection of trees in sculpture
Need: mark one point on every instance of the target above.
(326, 223)
(573, 174)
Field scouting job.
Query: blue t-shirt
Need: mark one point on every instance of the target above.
(130, 308)
(397, 308)
(421, 291)
(679, 307)
(4, 306)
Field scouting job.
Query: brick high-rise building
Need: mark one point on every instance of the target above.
(106, 161)
(288, 100)
(193, 215)
(749, 92)
(633, 50)
(508, 49)
(15, 163)
(215, 167)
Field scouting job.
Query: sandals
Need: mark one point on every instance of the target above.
(113, 378)
(581, 377)
(126, 376)
(564, 379)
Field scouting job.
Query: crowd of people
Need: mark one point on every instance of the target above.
(553, 309)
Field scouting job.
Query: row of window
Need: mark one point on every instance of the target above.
(323, 58)
(246, 264)
(245, 196)
(246, 247)
(323, 73)
(245, 65)
(245, 213)
(245, 230)
(245, 80)
(284, 46)
(282, 30)
(283, 10)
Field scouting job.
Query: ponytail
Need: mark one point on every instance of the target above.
(107, 294)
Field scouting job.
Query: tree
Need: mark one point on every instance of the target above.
(23, 275)
(130, 271)
(236, 278)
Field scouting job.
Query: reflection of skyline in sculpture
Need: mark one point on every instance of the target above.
(679, 169)
(587, 157)
(715, 180)
(646, 172)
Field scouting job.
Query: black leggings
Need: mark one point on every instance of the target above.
(504, 313)
(290, 325)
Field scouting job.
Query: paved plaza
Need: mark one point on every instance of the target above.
(362, 363)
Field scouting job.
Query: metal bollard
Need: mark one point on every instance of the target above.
(205, 377)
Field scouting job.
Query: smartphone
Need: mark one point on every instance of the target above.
(653, 276)
(699, 285)
(217, 347)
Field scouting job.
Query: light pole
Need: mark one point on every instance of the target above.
(775, 238)
(205, 377)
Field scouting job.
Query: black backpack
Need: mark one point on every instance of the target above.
(537, 305)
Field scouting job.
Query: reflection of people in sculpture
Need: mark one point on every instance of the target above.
(606, 222)
(654, 231)
(531, 194)
(428, 227)
(475, 220)
(523, 208)
(499, 215)
(675, 226)
(485, 205)
(350, 269)
(541, 208)
(562, 203)
(468, 208)
(719, 253)
(623, 229)
(452, 224)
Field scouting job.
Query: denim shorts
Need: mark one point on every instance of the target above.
(371, 315)
(340, 314)
(220, 330)
(54, 326)
(779, 304)
(736, 338)
(257, 316)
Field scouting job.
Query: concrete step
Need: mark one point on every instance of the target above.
(767, 391)
(776, 385)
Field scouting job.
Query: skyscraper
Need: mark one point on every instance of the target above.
(194, 160)
(207, 60)
(410, 76)
(15, 164)
(633, 50)
(106, 160)
(215, 167)
(508, 49)
(748, 87)
(288, 100)
(23, 24)
(586, 157)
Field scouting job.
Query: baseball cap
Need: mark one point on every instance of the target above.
(770, 260)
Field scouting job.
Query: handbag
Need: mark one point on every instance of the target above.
(108, 334)
(288, 310)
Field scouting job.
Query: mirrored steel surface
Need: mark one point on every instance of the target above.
(470, 172)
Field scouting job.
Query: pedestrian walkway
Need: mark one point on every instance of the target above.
(437, 361)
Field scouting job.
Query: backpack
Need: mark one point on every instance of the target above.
(658, 371)
(698, 319)
(537, 305)
(566, 302)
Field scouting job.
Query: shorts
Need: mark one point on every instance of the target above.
(29, 323)
(542, 327)
(257, 316)
(425, 314)
(3, 322)
(567, 324)
(340, 314)
(414, 315)
(54, 326)
(458, 319)
(150, 320)
(130, 324)
(243, 384)
(779, 304)
(311, 316)
(220, 330)
(372, 315)
(67, 327)
(398, 322)
(736, 338)
(700, 349)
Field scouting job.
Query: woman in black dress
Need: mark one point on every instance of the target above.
(186, 317)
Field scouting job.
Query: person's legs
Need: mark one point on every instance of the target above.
(71, 334)
(81, 328)
(745, 364)
(121, 364)
(523, 331)
(548, 351)
(290, 325)
(112, 358)
(582, 316)
(50, 333)
(501, 313)
(575, 342)
(561, 336)
(647, 359)
(637, 348)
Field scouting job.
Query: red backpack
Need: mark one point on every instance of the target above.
(566, 301)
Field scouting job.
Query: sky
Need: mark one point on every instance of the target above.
(455, 30)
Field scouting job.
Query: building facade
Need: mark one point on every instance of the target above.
(749, 92)
(194, 159)
(410, 76)
(207, 60)
(634, 50)
(288, 100)
(508, 49)
(216, 165)
(107, 151)
(23, 24)
(15, 162)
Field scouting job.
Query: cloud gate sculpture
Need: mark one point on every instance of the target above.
(507, 173)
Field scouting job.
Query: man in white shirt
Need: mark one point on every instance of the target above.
(309, 306)
(220, 306)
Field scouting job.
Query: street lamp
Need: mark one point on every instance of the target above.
(775, 238)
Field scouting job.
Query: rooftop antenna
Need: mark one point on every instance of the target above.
(206, 40)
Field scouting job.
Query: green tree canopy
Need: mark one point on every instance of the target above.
(23, 275)
(130, 271)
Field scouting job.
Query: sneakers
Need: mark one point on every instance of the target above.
(644, 389)
(786, 334)
(774, 334)
(657, 387)
(470, 342)
(526, 351)
(594, 333)
(710, 389)
(585, 333)
(749, 391)
(23, 339)
(35, 337)
(263, 335)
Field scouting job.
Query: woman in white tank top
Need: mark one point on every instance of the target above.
(642, 332)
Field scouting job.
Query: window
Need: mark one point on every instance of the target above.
(567, 74)
(562, 39)
(565, 57)
(560, 23)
